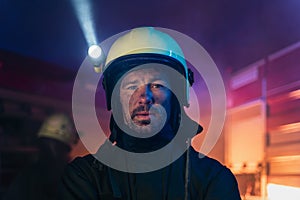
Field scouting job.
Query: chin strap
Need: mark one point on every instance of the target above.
(187, 170)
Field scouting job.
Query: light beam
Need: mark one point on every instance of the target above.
(83, 12)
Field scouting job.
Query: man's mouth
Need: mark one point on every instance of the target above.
(140, 111)
(141, 117)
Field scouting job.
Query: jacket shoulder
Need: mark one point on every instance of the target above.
(215, 179)
(84, 178)
(86, 166)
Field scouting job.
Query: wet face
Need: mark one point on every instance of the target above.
(145, 99)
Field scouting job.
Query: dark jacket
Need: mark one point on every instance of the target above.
(188, 177)
(87, 178)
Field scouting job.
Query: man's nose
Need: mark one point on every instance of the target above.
(145, 94)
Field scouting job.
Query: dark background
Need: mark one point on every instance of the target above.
(236, 33)
(42, 45)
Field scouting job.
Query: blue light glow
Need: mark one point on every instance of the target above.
(84, 15)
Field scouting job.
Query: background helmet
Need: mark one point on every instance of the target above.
(59, 127)
(141, 46)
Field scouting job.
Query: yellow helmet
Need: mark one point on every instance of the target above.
(59, 127)
(140, 46)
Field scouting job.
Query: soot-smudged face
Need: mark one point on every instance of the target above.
(146, 99)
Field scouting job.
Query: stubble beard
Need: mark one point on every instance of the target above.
(149, 127)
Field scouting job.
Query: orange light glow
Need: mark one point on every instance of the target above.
(290, 128)
(295, 94)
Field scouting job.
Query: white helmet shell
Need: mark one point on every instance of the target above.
(59, 127)
(145, 40)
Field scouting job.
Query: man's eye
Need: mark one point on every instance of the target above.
(155, 85)
(132, 87)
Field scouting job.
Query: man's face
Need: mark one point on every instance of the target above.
(145, 99)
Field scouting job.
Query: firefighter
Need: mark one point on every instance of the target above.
(56, 138)
(146, 82)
